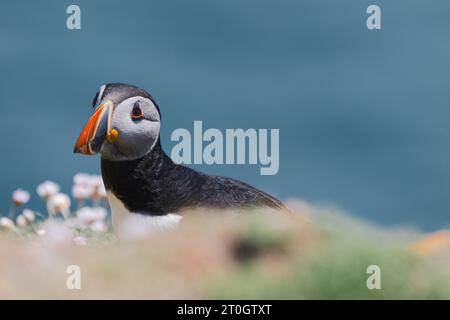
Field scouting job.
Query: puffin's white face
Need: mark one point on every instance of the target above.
(137, 122)
(127, 130)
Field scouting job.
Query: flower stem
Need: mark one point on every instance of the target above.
(12, 211)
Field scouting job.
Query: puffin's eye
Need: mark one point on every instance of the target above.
(136, 114)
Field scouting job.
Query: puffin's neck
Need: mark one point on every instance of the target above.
(144, 184)
(116, 174)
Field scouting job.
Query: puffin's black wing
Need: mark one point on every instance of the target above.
(226, 192)
(157, 186)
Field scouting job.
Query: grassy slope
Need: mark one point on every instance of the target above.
(318, 254)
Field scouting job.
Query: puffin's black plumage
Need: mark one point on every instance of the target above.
(118, 92)
(155, 185)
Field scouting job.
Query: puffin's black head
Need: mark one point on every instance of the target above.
(124, 126)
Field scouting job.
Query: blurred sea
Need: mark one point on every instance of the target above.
(363, 115)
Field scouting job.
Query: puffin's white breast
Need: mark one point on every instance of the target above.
(121, 218)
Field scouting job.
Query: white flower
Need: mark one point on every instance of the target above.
(100, 213)
(56, 233)
(41, 232)
(80, 241)
(99, 226)
(81, 192)
(88, 186)
(98, 187)
(101, 191)
(82, 179)
(88, 215)
(20, 197)
(7, 224)
(29, 215)
(21, 221)
(96, 180)
(47, 189)
(59, 203)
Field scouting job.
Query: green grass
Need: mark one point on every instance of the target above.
(337, 269)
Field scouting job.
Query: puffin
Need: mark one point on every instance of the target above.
(140, 178)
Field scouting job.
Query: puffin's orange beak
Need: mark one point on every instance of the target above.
(91, 138)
